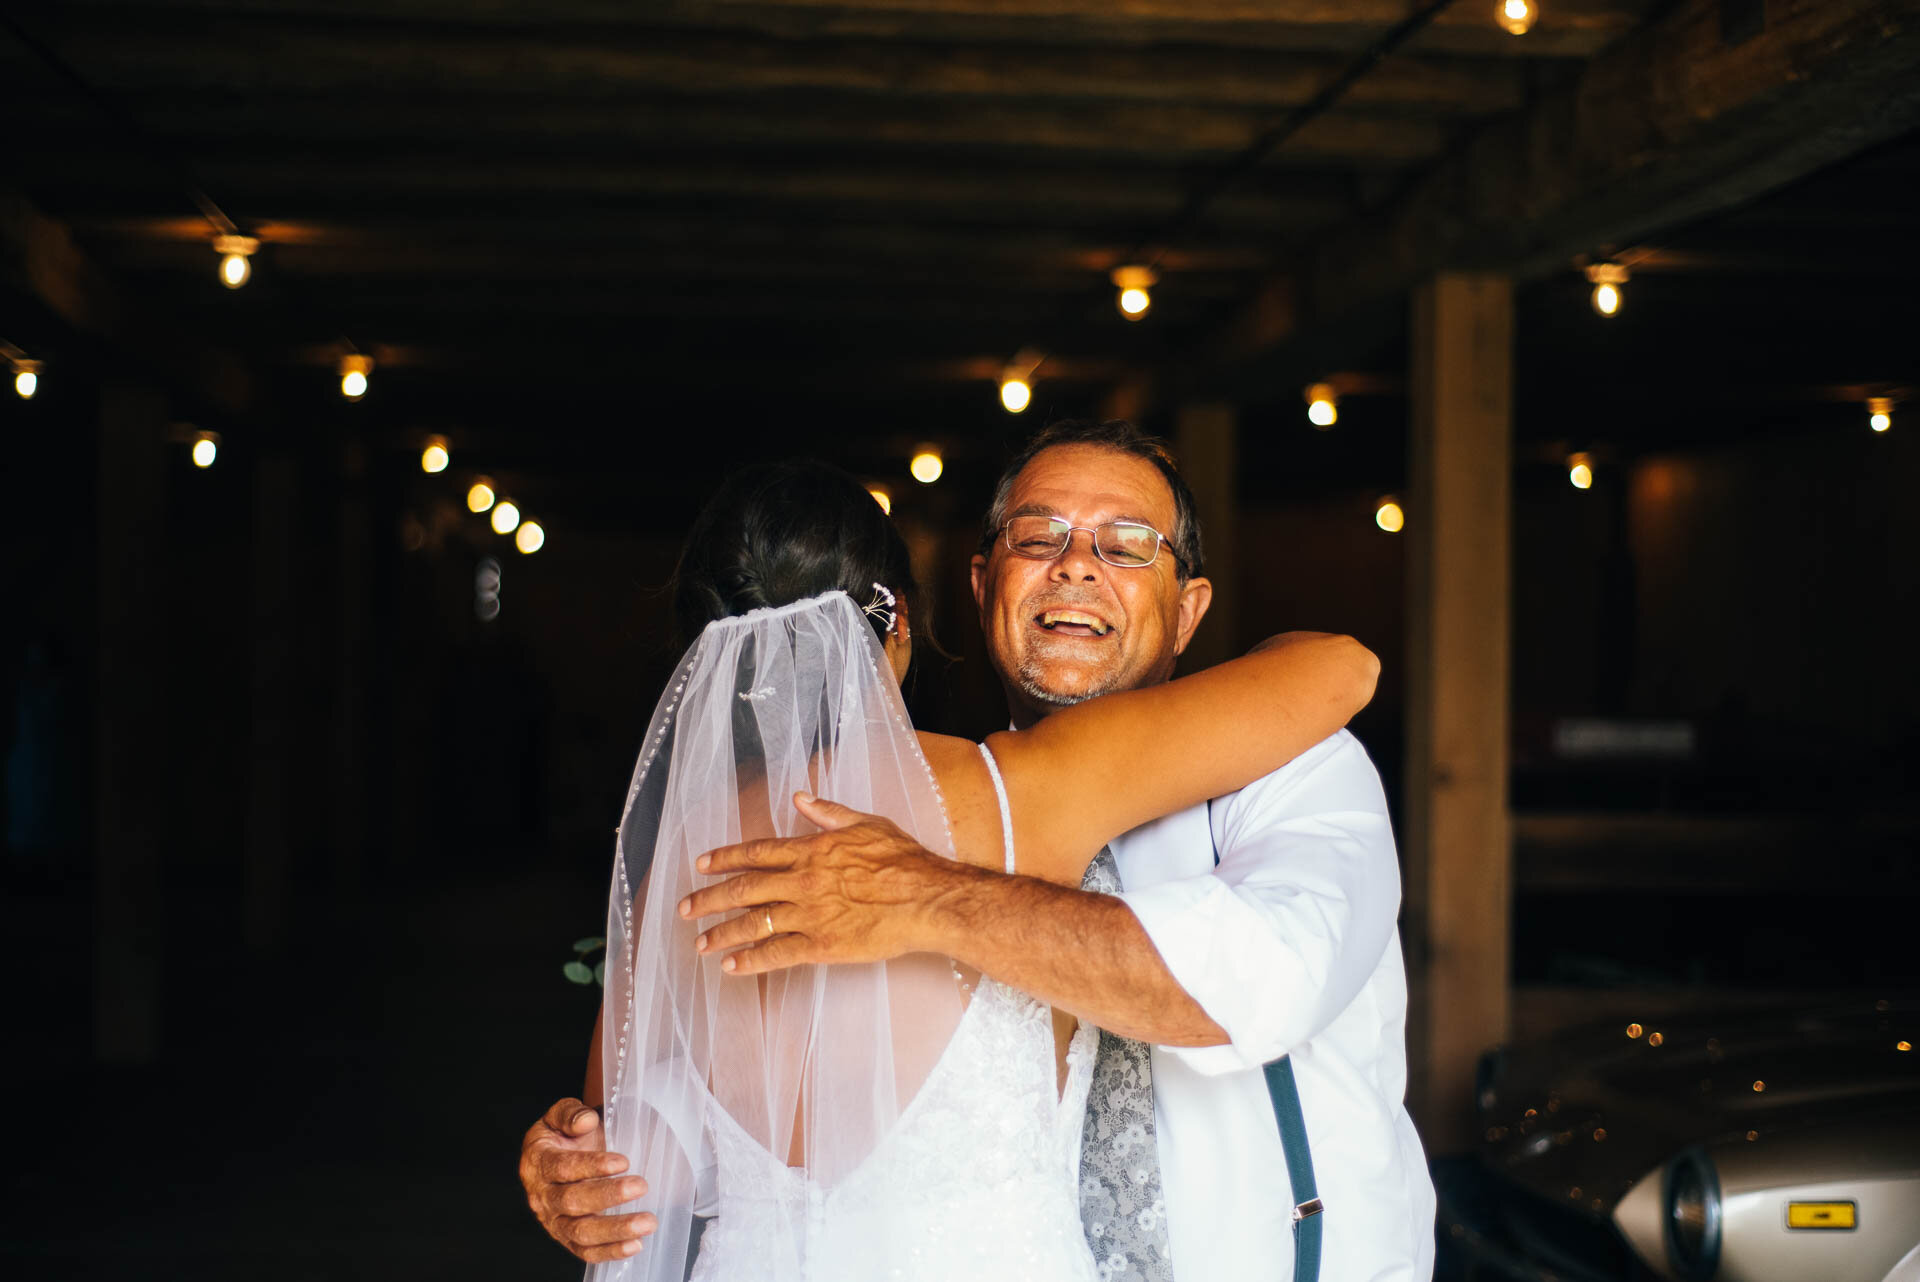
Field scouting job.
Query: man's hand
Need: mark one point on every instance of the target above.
(854, 892)
(571, 1180)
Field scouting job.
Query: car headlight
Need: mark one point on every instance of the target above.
(1691, 1192)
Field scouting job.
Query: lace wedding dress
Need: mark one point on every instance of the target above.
(981, 1178)
(834, 1123)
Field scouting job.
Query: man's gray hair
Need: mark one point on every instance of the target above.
(1113, 434)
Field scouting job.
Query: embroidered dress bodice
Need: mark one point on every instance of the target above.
(981, 1170)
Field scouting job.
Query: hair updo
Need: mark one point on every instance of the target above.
(777, 532)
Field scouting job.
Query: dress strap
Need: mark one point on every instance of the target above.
(1006, 812)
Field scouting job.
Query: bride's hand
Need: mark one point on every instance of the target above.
(852, 892)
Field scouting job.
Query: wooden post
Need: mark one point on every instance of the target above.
(348, 790)
(266, 878)
(1205, 443)
(1456, 838)
(132, 749)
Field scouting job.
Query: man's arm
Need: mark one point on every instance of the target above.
(1244, 963)
(862, 890)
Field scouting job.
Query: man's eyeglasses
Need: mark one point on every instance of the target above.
(1130, 545)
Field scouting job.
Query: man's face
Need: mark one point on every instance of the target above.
(1033, 612)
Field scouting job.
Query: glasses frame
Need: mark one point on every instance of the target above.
(1160, 541)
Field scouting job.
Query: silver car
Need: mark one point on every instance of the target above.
(1781, 1146)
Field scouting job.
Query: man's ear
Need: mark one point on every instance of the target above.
(1195, 596)
(977, 572)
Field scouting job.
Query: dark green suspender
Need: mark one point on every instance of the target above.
(1306, 1195)
(1293, 1141)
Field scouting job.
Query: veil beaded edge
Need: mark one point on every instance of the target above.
(815, 1062)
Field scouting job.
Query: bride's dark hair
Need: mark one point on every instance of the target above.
(777, 532)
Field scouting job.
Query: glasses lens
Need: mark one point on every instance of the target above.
(1042, 537)
(1122, 543)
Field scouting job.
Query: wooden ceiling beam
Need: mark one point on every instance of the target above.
(1568, 28)
(425, 182)
(1670, 125)
(1119, 133)
(640, 242)
(269, 60)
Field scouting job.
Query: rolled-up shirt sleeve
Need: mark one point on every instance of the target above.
(1285, 931)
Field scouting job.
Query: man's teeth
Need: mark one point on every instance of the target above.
(1053, 618)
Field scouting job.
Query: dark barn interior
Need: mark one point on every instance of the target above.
(308, 768)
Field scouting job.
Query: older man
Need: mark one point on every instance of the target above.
(1205, 944)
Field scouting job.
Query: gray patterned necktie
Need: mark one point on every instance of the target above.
(1122, 1205)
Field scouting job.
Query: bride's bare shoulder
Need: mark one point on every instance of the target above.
(967, 791)
(942, 750)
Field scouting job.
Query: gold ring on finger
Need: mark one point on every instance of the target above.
(768, 918)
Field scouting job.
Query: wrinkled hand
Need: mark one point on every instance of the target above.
(571, 1180)
(853, 892)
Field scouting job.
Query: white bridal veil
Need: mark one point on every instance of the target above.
(813, 1065)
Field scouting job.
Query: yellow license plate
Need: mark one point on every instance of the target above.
(1820, 1215)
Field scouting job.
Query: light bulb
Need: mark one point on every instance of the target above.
(926, 466)
(1133, 281)
(26, 379)
(479, 496)
(530, 538)
(884, 499)
(1323, 408)
(505, 517)
(1580, 471)
(435, 457)
(1516, 16)
(1015, 394)
(206, 447)
(1607, 279)
(1880, 413)
(1388, 515)
(236, 265)
(354, 372)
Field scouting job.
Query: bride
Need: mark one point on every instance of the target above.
(907, 1119)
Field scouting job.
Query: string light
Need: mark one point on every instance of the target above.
(1133, 281)
(435, 457)
(480, 495)
(1015, 392)
(236, 255)
(884, 499)
(355, 370)
(1516, 16)
(1607, 279)
(506, 516)
(1580, 471)
(1323, 407)
(1880, 413)
(26, 378)
(530, 538)
(1389, 516)
(927, 465)
(206, 448)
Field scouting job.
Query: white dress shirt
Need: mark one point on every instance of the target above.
(1290, 945)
